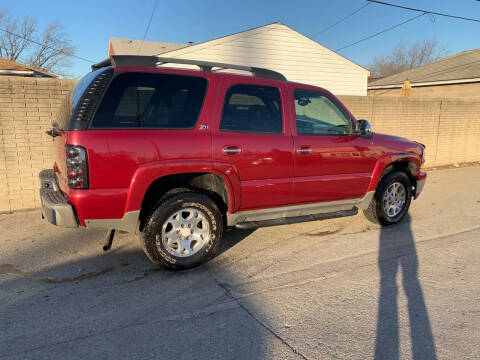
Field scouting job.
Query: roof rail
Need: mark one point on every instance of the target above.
(157, 61)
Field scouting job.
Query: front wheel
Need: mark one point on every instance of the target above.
(183, 231)
(392, 199)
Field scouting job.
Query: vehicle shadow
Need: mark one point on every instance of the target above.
(231, 237)
(118, 305)
(398, 253)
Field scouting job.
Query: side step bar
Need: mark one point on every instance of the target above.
(296, 219)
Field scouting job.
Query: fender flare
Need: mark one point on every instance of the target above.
(389, 159)
(145, 175)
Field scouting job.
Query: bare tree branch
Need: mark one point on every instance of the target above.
(2, 17)
(403, 57)
(52, 52)
(12, 46)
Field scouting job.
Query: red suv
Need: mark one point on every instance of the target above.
(176, 155)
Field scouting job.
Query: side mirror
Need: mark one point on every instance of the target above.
(363, 127)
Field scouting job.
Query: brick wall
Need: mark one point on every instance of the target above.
(467, 91)
(449, 128)
(26, 108)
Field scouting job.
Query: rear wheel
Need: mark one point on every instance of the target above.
(392, 199)
(183, 231)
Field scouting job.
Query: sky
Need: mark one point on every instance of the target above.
(89, 24)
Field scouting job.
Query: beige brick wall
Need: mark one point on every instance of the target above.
(467, 91)
(450, 129)
(26, 109)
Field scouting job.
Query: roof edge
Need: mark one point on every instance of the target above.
(446, 58)
(427, 83)
(317, 43)
(262, 26)
(224, 36)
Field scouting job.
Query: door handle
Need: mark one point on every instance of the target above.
(232, 150)
(304, 150)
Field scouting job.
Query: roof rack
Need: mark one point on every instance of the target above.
(157, 61)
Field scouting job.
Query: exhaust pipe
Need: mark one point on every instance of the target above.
(109, 240)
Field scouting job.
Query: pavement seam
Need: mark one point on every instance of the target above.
(257, 320)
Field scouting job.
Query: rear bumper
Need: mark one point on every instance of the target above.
(421, 178)
(55, 207)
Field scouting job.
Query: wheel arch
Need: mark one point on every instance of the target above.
(407, 163)
(216, 186)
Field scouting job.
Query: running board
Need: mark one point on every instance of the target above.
(299, 211)
(296, 219)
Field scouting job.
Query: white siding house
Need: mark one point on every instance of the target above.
(280, 48)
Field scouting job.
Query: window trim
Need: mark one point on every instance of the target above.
(282, 132)
(118, 73)
(347, 116)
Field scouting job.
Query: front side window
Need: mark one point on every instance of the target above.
(316, 114)
(149, 100)
(252, 108)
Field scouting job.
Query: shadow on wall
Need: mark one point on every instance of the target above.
(389, 263)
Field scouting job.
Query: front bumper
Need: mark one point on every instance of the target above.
(421, 178)
(55, 207)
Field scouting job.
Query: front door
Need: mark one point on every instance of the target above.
(331, 162)
(251, 136)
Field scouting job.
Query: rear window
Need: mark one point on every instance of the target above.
(147, 100)
(82, 85)
(70, 102)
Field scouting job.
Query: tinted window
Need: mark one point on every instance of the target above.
(82, 85)
(70, 102)
(316, 114)
(152, 101)
(252, 108)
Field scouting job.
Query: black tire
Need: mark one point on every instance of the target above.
(151, 237)
(376, 212)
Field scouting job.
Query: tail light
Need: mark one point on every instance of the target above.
(77, 167)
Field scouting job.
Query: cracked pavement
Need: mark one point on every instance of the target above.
(333, 289)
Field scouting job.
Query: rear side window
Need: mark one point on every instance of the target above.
(252, 108)
(149, 100)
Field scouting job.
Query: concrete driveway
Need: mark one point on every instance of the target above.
(340, 288)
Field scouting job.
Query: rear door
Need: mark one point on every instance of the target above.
(331, 162)
(251, 135)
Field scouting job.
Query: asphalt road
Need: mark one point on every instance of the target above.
(337, 289)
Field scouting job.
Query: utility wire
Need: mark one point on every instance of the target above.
(148, 26)
(424, 11)
(48, 47)
(381, 32)
(341, 20)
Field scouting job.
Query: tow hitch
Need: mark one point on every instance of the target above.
(109, 240)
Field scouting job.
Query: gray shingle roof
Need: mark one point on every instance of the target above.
(464, 65)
